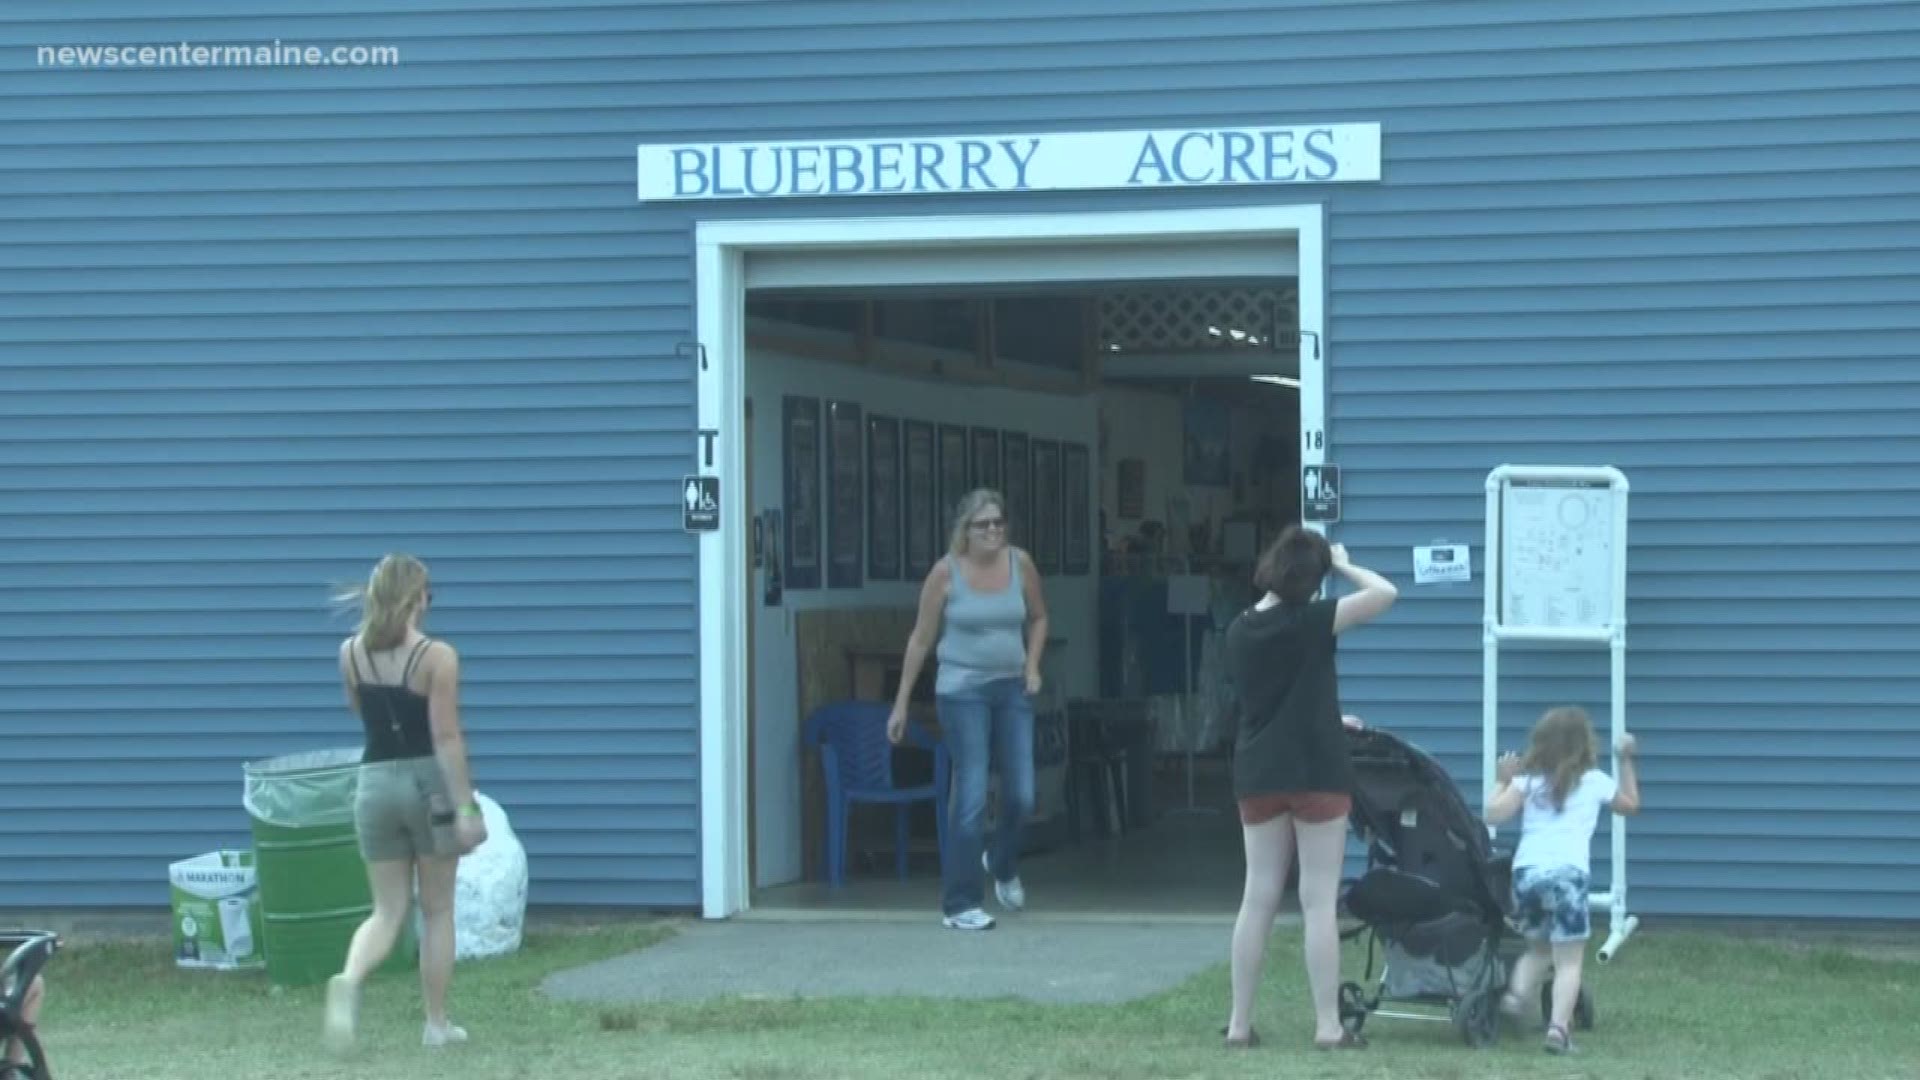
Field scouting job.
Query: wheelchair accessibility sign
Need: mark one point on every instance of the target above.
(700, 504)
(1320, 493)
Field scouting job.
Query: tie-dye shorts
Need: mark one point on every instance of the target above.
(1551, 903)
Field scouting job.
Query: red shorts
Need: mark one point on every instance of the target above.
(1312, 807)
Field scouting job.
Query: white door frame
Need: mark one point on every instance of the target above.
(722, 248)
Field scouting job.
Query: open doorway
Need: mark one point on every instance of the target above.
(1145, 436)
(1002, 265)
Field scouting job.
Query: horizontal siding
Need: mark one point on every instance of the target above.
(198, 438)
(260, 325)
(1732, 323)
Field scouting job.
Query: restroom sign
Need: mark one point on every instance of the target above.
(1320, 493)
(700, 503)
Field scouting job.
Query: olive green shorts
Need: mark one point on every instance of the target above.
(402, 811)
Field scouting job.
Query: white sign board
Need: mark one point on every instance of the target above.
(1556, 556)
(1062, 161)
(1189, 594)
(1557, 553)
(1439, 564)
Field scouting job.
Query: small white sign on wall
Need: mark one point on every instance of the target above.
(1439, 564)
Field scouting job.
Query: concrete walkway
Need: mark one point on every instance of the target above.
(1052, 960)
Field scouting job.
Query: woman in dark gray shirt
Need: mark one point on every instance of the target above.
(984, 607)
(1290, 770)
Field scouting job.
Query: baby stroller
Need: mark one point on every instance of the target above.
(1436, 896)
(27, 951)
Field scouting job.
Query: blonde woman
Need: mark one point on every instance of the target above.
(415, 811)
(984, 607)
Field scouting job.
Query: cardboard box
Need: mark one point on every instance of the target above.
(216, 912)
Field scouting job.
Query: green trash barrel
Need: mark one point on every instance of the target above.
(313, 883)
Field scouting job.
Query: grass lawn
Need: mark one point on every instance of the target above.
(1671, 1006)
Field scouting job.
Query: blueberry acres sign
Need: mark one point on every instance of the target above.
(1071, 161)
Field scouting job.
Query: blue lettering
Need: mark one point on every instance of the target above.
(1020, 161)
(1319, 146)
(886, 162)
(1239, 147)
(926, 163)
(810, 169)
(845, 164)
(1277, 152)
(973, 159)
(1186, 158)
(747, 154)
(720, 188)
(682, 157)
(1149, 153)
(1180, 156)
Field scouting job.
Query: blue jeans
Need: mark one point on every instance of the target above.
(985, 726)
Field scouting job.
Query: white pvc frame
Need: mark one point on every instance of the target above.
(1613, 635)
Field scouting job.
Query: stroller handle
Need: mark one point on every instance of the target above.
(28, 951)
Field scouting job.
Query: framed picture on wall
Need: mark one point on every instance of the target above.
(1016, 484)
(883, 498)
(986, 458)
(846, 495)
(800, 436)
(1076, 478)
(1048, 518)
(954, 470)
(921, 495)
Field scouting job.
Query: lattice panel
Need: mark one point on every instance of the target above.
(1191, 320)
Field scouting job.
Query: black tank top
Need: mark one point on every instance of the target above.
(394, 715)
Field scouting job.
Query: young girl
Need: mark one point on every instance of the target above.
(1559, 794)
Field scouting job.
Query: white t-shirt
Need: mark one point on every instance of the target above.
(1551, 838)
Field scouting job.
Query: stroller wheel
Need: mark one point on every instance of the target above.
(1477, 1018)
(1583, 1011)
(1353, 1007)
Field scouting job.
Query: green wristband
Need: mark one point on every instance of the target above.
(472, 809)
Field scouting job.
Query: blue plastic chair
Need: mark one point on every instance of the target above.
(858, 762)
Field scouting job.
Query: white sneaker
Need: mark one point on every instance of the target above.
(342, 1005)
(1011, 894)
(970, 919)
(435, 1037)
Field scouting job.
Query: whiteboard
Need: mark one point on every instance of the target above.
(1556, 548)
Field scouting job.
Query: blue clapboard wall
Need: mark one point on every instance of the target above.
(258, 326)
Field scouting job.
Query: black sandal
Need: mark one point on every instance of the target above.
(1558, 1040)
(1348, 1040)
(1252, 1040)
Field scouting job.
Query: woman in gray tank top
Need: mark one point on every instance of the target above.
(983, 606)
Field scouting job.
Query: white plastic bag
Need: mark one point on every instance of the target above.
(490, 892)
